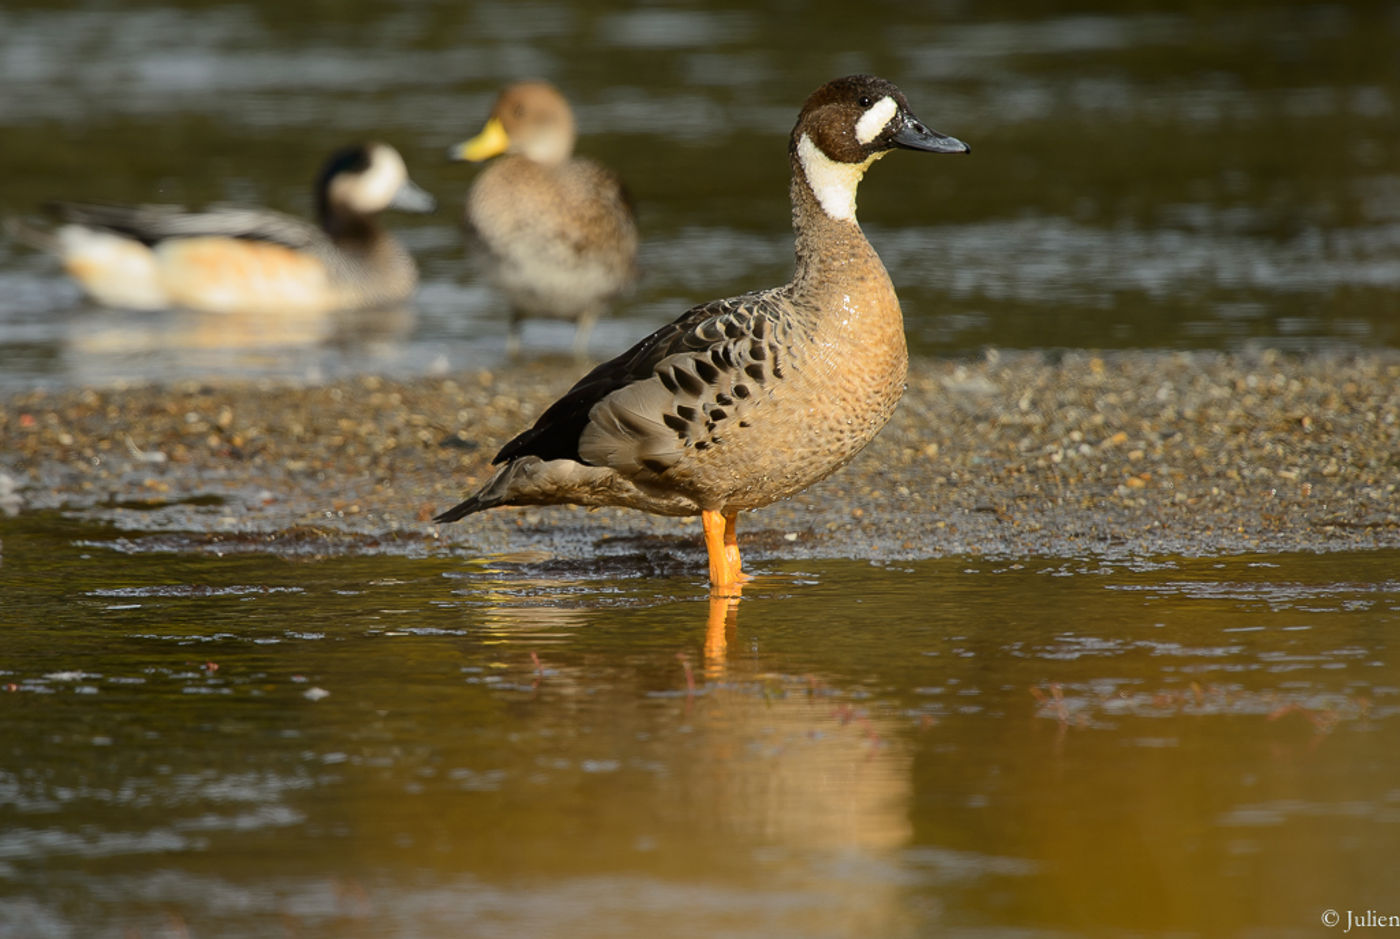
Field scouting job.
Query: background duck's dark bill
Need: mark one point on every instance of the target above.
(413, 198)
(915, 136)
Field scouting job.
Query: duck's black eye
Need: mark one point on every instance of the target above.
(864, 101)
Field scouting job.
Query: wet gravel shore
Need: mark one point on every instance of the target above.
(1013, 454)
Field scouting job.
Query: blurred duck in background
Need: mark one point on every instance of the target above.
(555, 233)
(252, 261)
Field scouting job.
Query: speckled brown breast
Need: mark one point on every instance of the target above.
(785, 387)
(560, 239)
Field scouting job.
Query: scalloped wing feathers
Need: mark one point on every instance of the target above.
(695, 393)
(675, 390)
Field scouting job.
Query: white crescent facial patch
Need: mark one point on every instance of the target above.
(833, 183)
(875, 118)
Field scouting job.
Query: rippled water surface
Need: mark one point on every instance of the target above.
(238, 744)
(1174, 175)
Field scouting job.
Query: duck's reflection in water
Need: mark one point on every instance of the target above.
(721, 624)
(792, 758)
(534, 607)
(184, 343)
(742, 763)
(512, 602)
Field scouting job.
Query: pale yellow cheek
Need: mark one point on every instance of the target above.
(371, 191)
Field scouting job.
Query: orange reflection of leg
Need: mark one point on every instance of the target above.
(722, 621)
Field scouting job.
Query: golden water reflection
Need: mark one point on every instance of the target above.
(351, 744)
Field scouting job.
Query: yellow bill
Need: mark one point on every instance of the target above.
(492, 140)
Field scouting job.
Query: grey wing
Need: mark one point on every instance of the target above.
(151, 224)
(707, 379)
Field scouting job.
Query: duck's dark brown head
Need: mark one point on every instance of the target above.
(849, 123)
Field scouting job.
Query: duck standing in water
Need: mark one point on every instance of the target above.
(744, 401)
(555, 233)
(252, 261)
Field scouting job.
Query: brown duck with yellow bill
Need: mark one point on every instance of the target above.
(554, 232)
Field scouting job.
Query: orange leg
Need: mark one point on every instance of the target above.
(731, 547)
(722, 546)
(715, 528)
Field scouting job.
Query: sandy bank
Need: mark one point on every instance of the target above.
(1016, 454)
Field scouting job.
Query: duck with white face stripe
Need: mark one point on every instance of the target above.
(884, 120)
(228, 259)
(744, 401)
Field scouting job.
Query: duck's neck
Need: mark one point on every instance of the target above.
(348, 229)
(832, 251)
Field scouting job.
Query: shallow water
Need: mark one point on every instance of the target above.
(1173, 176)
(248, 745)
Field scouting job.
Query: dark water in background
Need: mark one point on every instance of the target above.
(243, 744)
(1188, 175)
